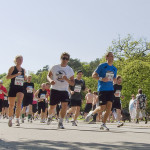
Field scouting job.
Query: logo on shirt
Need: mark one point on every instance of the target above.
(60, 74)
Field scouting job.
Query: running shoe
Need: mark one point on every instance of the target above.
(92, 122)
(10, 123)
(17, 123)
(120, 124)
(49, 120)
(88, 117)
(103, 127)
(74, 123)
(60, 125)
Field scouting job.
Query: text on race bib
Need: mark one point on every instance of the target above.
(29, 89)
(19, 80)
(77, 88)
(42, 96)
(110, 76)
(117, 93)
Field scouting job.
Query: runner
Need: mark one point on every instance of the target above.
(60, 76)
(17, 76)
(41, 95)
(28, 98)
(76, 97)
(3, 92)
(47, 99)
(105, 74)
(141, 105)
(34, 107)
(89, 101)
(117, 102)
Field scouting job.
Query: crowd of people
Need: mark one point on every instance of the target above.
(61, 97)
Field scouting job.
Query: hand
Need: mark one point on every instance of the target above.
(72, 92)
(64, 78)
(52, 82)
(105, 79)
(19, 73)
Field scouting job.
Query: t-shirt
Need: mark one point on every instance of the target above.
(104, 70)
(142, 101)
(58, 72)
(2, 88)
(28, 89)
(117, 91)
(77, 88)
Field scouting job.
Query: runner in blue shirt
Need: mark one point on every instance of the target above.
(105, 74)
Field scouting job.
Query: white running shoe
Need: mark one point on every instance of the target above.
(103, 127)
(60, 125)
(120, 124)
(49, 120)
(10, 123)
(89, 116)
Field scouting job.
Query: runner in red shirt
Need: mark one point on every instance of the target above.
(3, 92)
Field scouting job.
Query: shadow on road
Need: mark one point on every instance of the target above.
(53, 145)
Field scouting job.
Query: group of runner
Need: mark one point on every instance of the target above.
(64, 88)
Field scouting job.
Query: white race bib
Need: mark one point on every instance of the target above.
(42, 96)
(0, 91)
(35, 99)
(19, 80)
(117, 93)
(5, 98)
(110, 76)
(77, 88)
(29, 89)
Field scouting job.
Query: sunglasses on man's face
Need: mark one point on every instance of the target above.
(65, 58)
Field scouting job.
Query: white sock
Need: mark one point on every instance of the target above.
(61, 120)
(10, 118)
(50, 116)
(17, 119)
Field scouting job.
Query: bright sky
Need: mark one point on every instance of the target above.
(41, 30)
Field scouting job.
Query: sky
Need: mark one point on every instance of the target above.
(40, 30)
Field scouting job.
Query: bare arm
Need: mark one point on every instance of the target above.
(36, 95)
(10, 71)
(70, 81)
(96, 76)
(49, 78)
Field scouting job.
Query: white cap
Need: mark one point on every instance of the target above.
(1, 81)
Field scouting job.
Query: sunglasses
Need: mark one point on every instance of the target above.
(65, 58)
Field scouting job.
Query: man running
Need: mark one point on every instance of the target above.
(28, 98)
(76, 97)
(105, 74)
(60, 76)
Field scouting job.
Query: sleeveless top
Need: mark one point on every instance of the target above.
(18, 80)
(42, 94)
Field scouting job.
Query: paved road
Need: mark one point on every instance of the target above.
(83, 137)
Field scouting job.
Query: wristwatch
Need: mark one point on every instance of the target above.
(100, 78)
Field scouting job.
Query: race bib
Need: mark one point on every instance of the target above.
(117, 93)
(5, 98)
(42, 96)
(77, 88)
(110, 76)
(0, 91)
(35, 99)
(19, 80)
(29, 89)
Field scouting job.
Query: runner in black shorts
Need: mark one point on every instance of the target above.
(117, 102)
(105, 74)
(28, 98)
(17, 76)
(60, 76)
(3, 92)
(5, 107)
(41, 95)
(76, 97)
